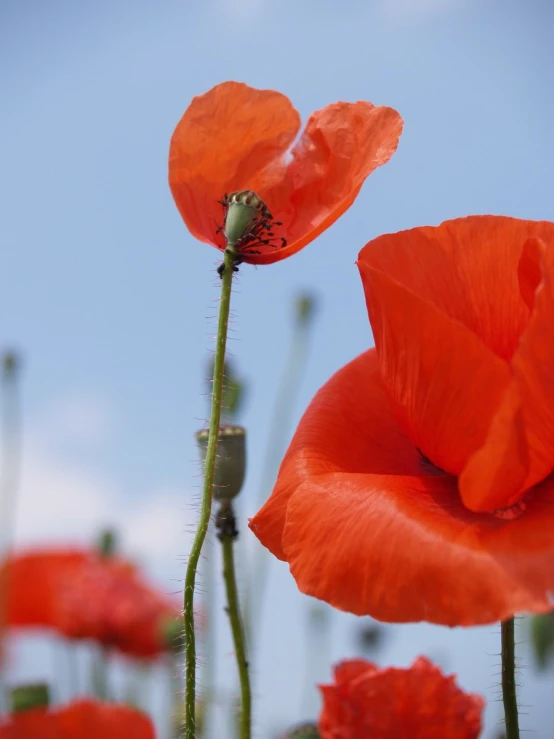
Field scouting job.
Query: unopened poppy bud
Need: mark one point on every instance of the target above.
(244, 210)
(230, 463)
(27, 697)
(305, 731)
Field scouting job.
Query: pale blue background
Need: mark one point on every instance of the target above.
(106, 293)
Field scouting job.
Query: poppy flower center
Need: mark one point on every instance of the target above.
(249, 224)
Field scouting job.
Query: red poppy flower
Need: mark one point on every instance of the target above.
(85, 596)
(83, 719)
(121, 612)
(235, 137)
(418, 486)
(418, 702)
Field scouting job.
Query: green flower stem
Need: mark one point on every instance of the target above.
(508, 679)
(206, 507)
(228, 532)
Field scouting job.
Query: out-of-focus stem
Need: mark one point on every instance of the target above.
(227, 533)
(9, 482)
(206, 507)
(278, 436)
(509, 696)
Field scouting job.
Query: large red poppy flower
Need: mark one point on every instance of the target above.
(235, 137)
(85, 596)
(83, 719)
(418, 486)
(419, 702)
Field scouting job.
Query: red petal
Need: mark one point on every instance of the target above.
(444, 383)
(418, 702)
(89, 719)
(340, 147)
(529, 270)
(519, 451)
(363, 529)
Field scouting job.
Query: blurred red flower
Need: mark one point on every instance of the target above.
(418, 702)
(83, 719)
(418, 485)
(235, 137)
(86, 596)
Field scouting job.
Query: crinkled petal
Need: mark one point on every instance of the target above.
(418, 702)
(340, 147)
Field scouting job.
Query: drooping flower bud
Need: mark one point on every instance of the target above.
(27, 697)
(244, 210)
(230, 463)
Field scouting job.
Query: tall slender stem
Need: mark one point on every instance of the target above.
(276, 445)
(228, 532)
(509, 679)
(206, 507)
(9, 482)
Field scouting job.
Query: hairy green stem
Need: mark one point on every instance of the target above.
(227, 527)
(206, 507)
(508, 679)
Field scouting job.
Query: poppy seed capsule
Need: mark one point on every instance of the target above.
(244, 210)
(230, 463)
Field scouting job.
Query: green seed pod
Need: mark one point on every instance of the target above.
(244, 210)
(27, 697)
(230, 463)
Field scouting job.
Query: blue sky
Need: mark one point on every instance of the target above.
(112, 302)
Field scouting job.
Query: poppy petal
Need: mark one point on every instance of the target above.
(533, 366)
(406, 549)
(340, 147)
(347, 427)
(468, 269)
(529, 270)
(417, 702)
(444, 383)
(519, 451)
(495, 474)
(225, 138)
(365, 529)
